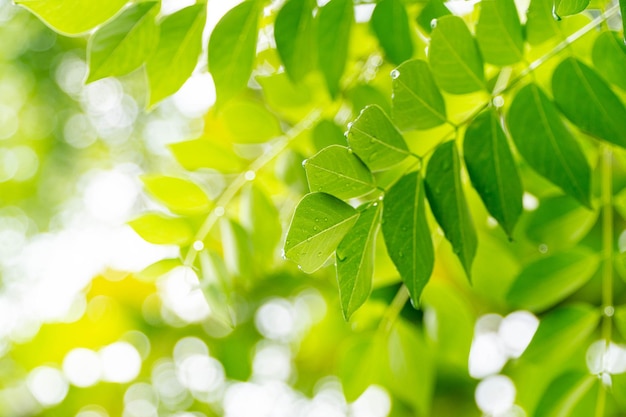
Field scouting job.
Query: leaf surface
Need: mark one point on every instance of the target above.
(444, 190)
(335, 23)
(202, 153)
(294, 32)
(406, 233)
(609, 58)
(499, 32)
(390, 23)
(493, 170)
(417, 102)
(547, 145)
(162, 230)
(250, 122)
(319, 223)
(178, 194)
(540, 24)
(569, 7)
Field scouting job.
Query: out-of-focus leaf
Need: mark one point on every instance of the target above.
(334, 24)
(609, 58)
(250, 122)
(355, 260)
(327, 133)
(260, 217)
(406, 233)
(289, 170)
(152, 272)
(355, 377)
(548, 281)
(588, 101)
(444, 190)
(622, 9)
(569, 7)
(73, 17)
(433, 9)
(178, 194)
(237, 249)
(560, 222)
(492, 169)
(499, 32)
(176, 55)
(214, 275)
(295, 37)
(540, 25)
(364, 95)
(162, 230)
(564, 393)
(547, 145)
(560, 332)
(202, 153)
(125, 43)
(620, 320)
(319, 223)
(232, 48)
(336, 170)
(376, 140)
(455, 58)
(417, 102)
(390, 23)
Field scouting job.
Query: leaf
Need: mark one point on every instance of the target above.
(390, 23)
(540, 24)
(237, 249)
(569, 7)
(337, 171)
(294, 32)
(447, 201)
(73, 17)
(176, 55)
(202, 153)
(356, 378)
(433, 9)
(547, 145)
(261, 219)
(319, 223)
(162, 230)
(454, 57)
(622, 9)
(250, 122)
(327, 133)
(560, 332)
(588, 102)
(560, 222)
(355, 260)
(609, 58)
(564, 393)
(232, 48)
(334, 24)
(548, 281)
(406, 233)
(417, 102)
(152, 272)
(492, 169)
(363, 95)
(178, 194)
(214, 276)
(124, 44)
(499, 32)
(376, 140)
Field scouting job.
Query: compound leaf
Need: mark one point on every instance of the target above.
(390, 23)
(334, 25)
(295, 37)
(162, 230)
(499, 32)
(177, 194)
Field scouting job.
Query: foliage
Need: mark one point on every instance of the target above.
(428, 196)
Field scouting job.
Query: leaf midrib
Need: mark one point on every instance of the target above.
(321, 232)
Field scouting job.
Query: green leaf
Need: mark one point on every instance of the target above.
(237, 249)
(261, 219)
(334, 23)
(152, 272)
(355, 260)
(444, 190)
(548, 281)
(250, 122)
(73, 17)
(499, 32)
(390, 23)
(588, 101)
(454, 57)
(406, 233)
(622, 9)
(214, 277)
(376, 140)
(547, 145)
(560, 332)
(202, 153)
(569, 7)
(232, 48)
(492, 169)
(294, 33)
(356, 378)
(327, 133)
(363, 95)
(176, 55)
(178, 194)
(540, 24)
(162, 230)
(564, 393)
(560, 222)
(609, 58)
(125, 43)
(433, 9)
(417, 102)
(336, 170)
(319, 223)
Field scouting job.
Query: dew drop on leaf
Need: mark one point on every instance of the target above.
(433, 23)
(498, 101)
(395, 74)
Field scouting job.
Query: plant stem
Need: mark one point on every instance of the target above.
(277, 146)
(394, 309)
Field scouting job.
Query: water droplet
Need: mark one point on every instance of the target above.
(250, 175)
(543, 248)
(345, 133)
(341, 257)
(350, 150)
(325, 219)
(375, 204)
(555, 15)
(433, 23)
(498, 101)
(609, 311)
(380, 198)
(198, 245)
(306, 161)
(219, 211)
(350, 125)
(300, 267)
(317, 219)
(426, 50)
(282, 253)
(315, 228)
(395, 74)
